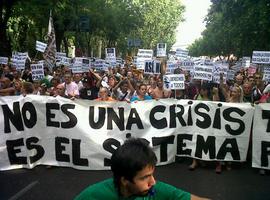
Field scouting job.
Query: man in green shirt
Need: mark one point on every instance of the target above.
(133, 166)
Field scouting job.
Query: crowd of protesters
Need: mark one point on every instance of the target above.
(128, 84)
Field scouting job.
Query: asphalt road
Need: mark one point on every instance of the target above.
(241, 183)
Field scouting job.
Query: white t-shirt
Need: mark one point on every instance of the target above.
(71, 89)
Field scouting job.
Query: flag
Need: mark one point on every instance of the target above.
(50, 52)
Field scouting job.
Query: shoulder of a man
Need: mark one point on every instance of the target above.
(101, 190)
(166, 191)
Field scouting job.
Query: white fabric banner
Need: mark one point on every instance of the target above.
(261, 137)
(82, 134)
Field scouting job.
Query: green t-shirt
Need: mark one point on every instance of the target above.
(106, 190)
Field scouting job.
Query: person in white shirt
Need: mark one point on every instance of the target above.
(124, 90)
(71, 88)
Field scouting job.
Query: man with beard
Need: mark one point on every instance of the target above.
(133, 166)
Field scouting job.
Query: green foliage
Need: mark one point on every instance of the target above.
(235, 26)
(109, 21)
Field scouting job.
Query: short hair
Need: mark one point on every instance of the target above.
(130, 158)
(142, 84)
(28, 87)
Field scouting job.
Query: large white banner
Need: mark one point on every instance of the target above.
(261, 137)
(83, 134)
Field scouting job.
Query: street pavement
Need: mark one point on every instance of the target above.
(58, 183)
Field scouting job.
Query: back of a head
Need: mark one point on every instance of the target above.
(131, 157)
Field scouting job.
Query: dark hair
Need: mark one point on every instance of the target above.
(208, 87)
(130, 158)
(28, 87)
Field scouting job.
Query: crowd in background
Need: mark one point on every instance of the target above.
(128, 84)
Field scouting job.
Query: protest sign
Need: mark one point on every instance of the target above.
(261, 57)
(37, 71)
(174, 81)
(161, 49)
(152, 67)
(19, 60)
(218, 69)
(142, 56)
(186, 65)
(266, 74)
(230, 75)
(100, 65)
(40, 46)
(170, 67)
(43, 130)
(110, 56)
(245, 61)
(181, 53)
(203, 72)
(4, 60)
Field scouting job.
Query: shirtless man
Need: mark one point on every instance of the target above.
(159, 92)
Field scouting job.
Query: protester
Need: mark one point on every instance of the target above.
(159, 92)
(89, 90)
(247, 92)
(133, 177)
(71, 88)
(17, 87)
(27, 88)
(54, 82)
(104, 95)
(77, 79)
(6, 87)
(141, 94)
(124, 90)
(27, 74)
(258, 88)
(60, 91)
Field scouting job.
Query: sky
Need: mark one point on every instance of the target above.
(192, 27)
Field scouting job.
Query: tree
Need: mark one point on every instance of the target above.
(235, 26)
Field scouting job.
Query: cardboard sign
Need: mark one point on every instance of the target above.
(4, 60)
(174, 81)
(152, 67)
(37, 71)
(203, 72)
(261, 57)
(142, 56)
(40, 46)
(181, 53)
(161, 49)
(110, 56)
